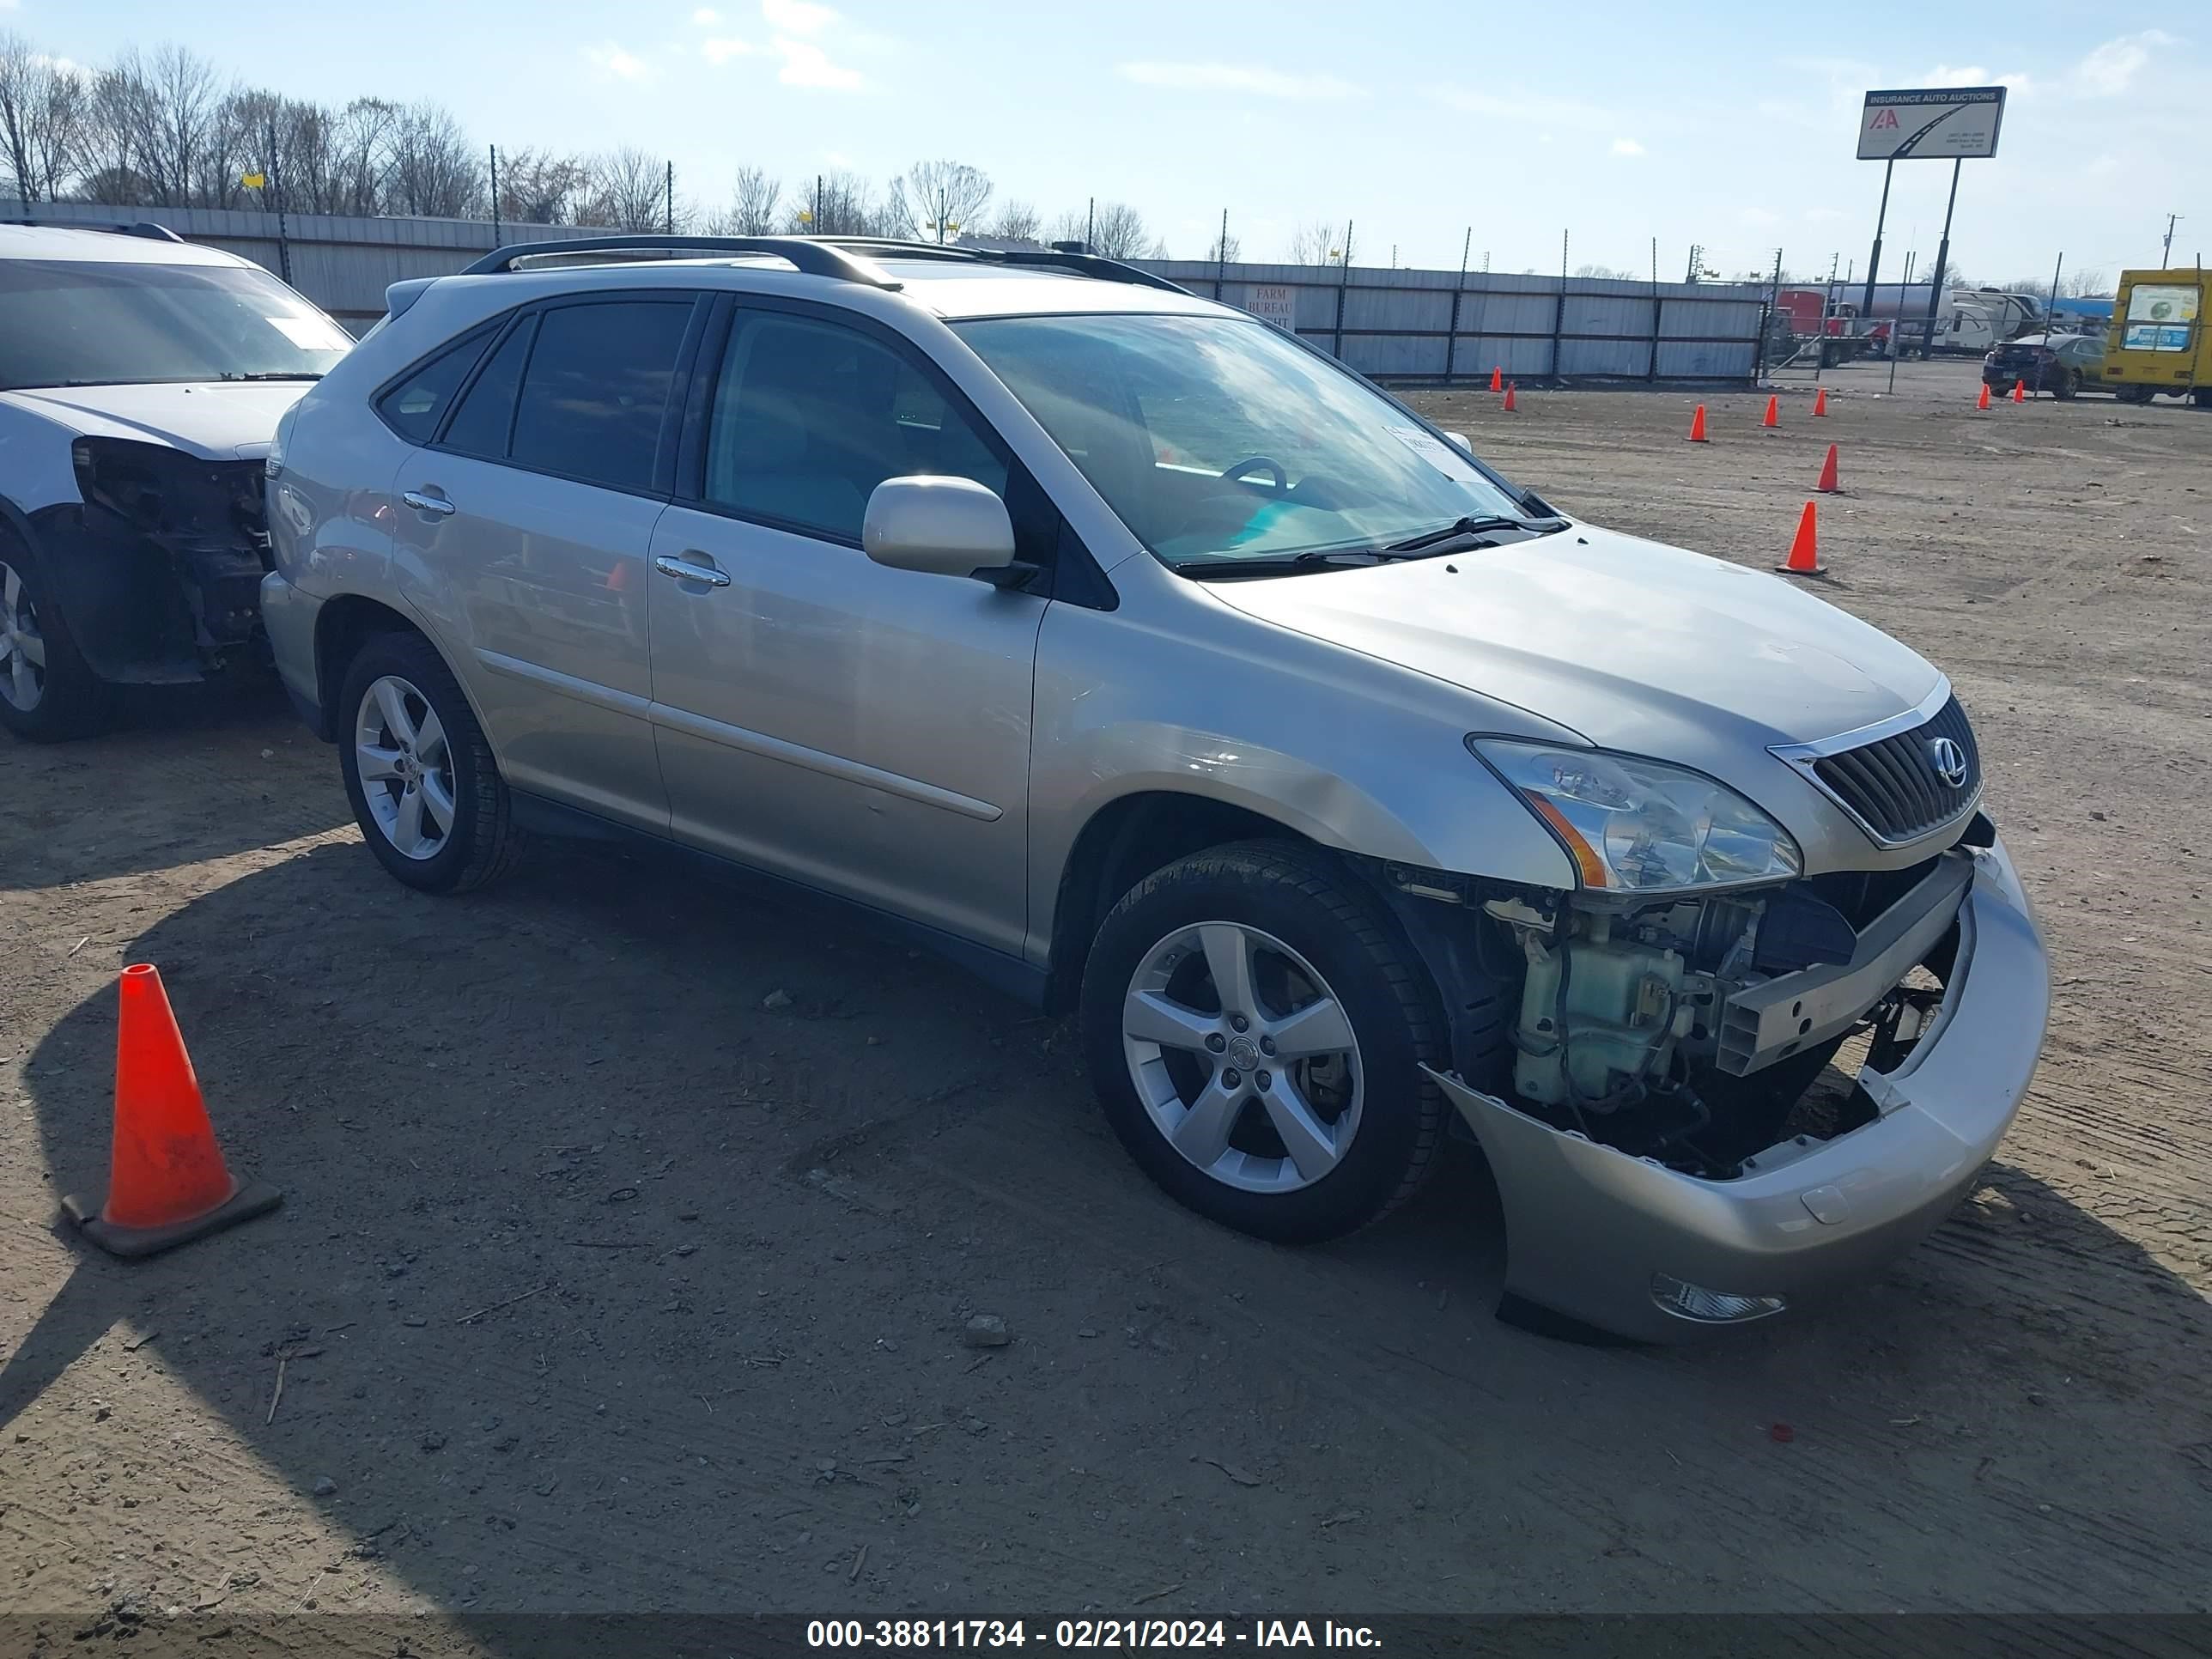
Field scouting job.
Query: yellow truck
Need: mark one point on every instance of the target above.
(2157, 340)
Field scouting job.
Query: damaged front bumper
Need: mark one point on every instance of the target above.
(1614, 1241)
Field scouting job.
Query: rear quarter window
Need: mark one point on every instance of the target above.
(414, 404)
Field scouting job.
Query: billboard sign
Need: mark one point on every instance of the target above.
(1941, 124)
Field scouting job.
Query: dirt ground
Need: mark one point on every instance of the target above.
(599, 1285)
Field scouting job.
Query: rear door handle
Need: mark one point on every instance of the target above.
(421, 503)
(686, 570)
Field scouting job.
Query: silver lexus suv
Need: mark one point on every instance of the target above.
(1151, 664)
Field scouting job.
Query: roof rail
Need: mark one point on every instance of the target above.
(812, 257)
(1088, 264)
(151, 232)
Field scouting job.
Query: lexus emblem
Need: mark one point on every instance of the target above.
(1948, 760)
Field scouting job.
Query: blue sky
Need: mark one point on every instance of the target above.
(1719, 122)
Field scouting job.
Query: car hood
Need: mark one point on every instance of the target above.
(1635, 645)
(213, 420)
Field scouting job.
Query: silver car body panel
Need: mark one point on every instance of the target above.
(1587, 1227)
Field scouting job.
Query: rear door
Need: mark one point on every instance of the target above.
(862, 729)
(524, 527)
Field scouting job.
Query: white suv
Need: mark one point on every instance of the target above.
(1148, 661)
(141, 381)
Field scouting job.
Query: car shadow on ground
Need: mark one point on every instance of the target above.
(631, 1226)
(162, 786)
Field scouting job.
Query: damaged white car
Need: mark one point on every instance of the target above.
(1141, 657)
(141, 381)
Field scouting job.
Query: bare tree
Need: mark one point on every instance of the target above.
(1316, 243)
(41, 109)
(109, 142)
(941, 198)
(843, 205)
(1119, 231)
(629, 191)
(2086, 285)
(1072, 226)
(433, 172)
(1606, 273)
(537, 187)
(754, 197)
(1223, 249)
(177, 130)
(1017, 221)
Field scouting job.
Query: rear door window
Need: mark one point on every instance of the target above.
(596, 388)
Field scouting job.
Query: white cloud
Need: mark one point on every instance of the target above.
(2107, 72)
(1626, 147)
(1758, 217)
(1972, 75)
(796, 16)
(623, 65)
(1523, 109)
(720, 49)
(1821, 215)
(706, 17)
(1237, 77)
(805, 64)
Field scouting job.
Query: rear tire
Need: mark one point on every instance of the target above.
(1282, 1141)
(48, 692)
(2067, 386)
(421, 778)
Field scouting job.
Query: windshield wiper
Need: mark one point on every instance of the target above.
(1482, 526)
(1280, 564)
(277, 374)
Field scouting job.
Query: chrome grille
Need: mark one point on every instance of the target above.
(1891, 784)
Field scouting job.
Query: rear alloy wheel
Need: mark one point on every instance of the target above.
(425, 786)
(2068, 385)
(47, 692)
(1256, 1031)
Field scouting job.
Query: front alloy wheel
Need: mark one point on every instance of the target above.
(1256, 1026)
(1242, 1057)
(47, 691)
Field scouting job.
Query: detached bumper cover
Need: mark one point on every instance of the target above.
(1587, 1227)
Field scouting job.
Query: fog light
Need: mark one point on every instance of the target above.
(1686, 1301)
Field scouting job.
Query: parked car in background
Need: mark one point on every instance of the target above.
(1137, 654)
(2062, 365)
(141, 381)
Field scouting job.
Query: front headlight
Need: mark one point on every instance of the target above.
(1638, 826)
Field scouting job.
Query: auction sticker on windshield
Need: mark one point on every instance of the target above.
(1438, 454)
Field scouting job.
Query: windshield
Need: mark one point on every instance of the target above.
(1216, 439)
(85, 323)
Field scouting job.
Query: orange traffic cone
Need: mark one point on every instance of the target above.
(1983, 402)
(1773, 412)
(1510, 385)
(1821, 401)
(2020, 392)
(1805, 551)
(166, 1181)
(1497, 377)
(1697, 426)
(1828, 486)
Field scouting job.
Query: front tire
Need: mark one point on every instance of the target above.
(1256, 1032)
(421, 778)
(48, 692)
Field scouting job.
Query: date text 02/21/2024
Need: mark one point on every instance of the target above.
(1086, 1633)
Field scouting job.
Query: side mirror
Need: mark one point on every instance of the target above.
(1462, 441)
(942, 526)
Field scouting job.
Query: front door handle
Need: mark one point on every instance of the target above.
(685, 570)
(421, 503)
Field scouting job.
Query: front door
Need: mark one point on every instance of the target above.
(862, 729)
